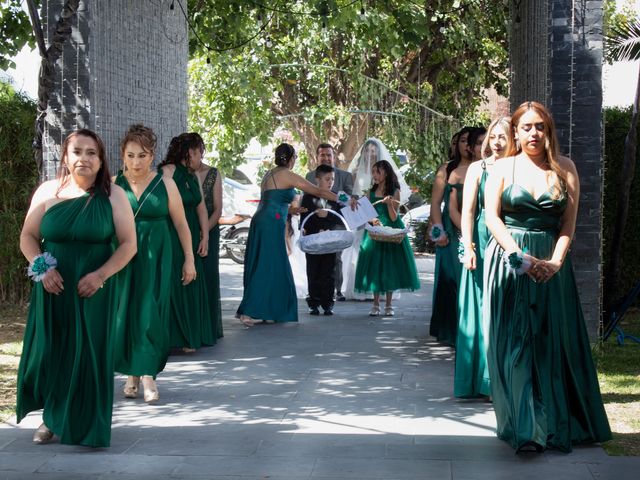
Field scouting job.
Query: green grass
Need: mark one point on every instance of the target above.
(12, 321)
(619, 375)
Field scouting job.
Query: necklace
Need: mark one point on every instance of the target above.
(138, 181)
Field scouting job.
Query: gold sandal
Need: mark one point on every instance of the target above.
(130, 389)
(42, 435)
(151, 394)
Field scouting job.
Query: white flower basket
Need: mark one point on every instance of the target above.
(330, 241)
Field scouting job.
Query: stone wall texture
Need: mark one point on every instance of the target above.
(126, 62)
(556, 58)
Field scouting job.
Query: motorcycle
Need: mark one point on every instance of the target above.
(233, 239)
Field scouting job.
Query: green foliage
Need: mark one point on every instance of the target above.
(622, 31)
(15, 31)
(321, 68)
(18, 178)
(617, 123)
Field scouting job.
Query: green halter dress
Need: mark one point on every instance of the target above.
(142, 329)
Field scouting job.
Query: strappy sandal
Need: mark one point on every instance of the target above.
(246, 321)
(375, 311)
(151, 394)
(130, 389)
(388, 311)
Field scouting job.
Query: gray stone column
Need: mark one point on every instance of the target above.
(126, 62)
(556, 58)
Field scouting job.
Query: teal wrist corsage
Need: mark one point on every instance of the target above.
(436, 233)
(343, 198)
(40, 265)
(461, 252)
(517, 262)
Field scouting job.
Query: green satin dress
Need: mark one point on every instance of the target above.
(384, 266)
(190, 322)
(444, 310)
(269, 289)
(211, 262)
(543, 381)
(66, 367)
(471, 378)
(141, 342)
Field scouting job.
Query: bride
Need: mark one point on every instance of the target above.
(360, 167)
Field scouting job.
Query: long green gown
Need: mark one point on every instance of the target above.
(384, 266)
(543, 381)
(211, 262)
(471, 377)
(190, 322)
(444, 311)
(66, 367)
(269, 289)
(141, 342)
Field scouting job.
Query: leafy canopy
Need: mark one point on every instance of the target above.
(319, 68)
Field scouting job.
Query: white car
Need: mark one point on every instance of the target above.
(240, 195)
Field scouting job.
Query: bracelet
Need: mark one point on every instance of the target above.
(40, 265)
(436, 233)
(517, 262)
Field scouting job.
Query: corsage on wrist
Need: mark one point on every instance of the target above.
(517, 262)
(343, 198)
(464, 250)
(436, 233)
(40, 265)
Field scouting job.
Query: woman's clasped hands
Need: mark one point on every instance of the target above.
(542, 270)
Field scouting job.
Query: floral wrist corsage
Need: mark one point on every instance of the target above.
(464, 249)
(517, 262)
(40, 265)
(343, 198)
(436, 233)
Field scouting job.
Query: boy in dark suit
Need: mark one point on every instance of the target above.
(321, 268)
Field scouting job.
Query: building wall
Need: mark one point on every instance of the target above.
(126, 62)
(556, 58)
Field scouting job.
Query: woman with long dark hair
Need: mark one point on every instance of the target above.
(269, 289)
(543, 381)
(384, 267)
(66, 367)
(444, 310)
(191, 325)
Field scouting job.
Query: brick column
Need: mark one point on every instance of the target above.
(561, 40)
(126, 62)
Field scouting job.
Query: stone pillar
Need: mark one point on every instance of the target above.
(556, 58)
(126, 62)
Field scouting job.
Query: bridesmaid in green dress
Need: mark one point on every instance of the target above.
(471, 378)
(66, 367)
(211, 184)
(269, 289)
(543, 381)
(190, 321)
(444, 310)
(384, 267)
(142, 328)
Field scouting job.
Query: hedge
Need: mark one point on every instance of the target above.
(18, 178)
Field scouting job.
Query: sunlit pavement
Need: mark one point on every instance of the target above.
(333, 397)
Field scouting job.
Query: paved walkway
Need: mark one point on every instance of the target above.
(342, 397)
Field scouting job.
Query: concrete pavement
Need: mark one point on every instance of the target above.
(341, 397)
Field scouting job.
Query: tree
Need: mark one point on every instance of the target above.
(15, 32)
(319, 67)
(623, 44)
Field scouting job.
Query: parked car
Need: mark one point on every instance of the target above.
(239, 194)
